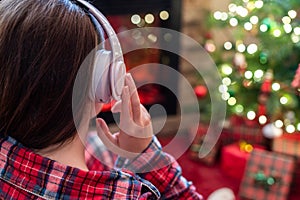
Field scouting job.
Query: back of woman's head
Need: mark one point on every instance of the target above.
(42, 45)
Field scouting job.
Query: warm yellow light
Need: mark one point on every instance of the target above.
(164, 15)
(277, 33)
(233, 22)
(149, 18)
(292, 14)
(228, 45)
(248, 26)
(290, 128)
(248, 74)
(276, 86)
(254, 19)
(135, 19)
(226, 69)
(286, 20)
(262, 119)
(251, 115)
(278, 123)
(231, 101)
(217, 15)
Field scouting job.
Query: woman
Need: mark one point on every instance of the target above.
(42, 46)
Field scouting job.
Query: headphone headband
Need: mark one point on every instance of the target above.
(109, 71)
(112, 36)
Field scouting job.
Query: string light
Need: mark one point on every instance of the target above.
(225, 96)
(277, 33)
(262, 119)
(283, 100)
(152, 37)
(241, 48)
(254, 19)
(263, 28)
(251, 115)
(223, 88)
(233, 22)
(228, 45)
(252, 48)
(210, 46)
(259, 4)
(286, 20)
(297, 31)
(292, 14)
(239, 108)
(226, 69)
(248, 26)
(275, 86)
(226, 81)
(278, 123)
(288, 28)
(240, 10)
(250, 6)
(295, 38)
(149, 18)
(298, 126)
(135, 19)
(164, 15)
(224, 16)
(248, 74)
(231, 101)
(232, 7)
(290, 128)
(258, 74)
(217, 15)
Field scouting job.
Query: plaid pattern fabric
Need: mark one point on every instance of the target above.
(268, 176)
(27, 175)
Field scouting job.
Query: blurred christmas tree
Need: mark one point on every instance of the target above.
(258, 59)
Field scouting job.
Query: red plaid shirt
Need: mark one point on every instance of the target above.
(27, 175)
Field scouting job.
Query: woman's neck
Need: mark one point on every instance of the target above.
(70, 154)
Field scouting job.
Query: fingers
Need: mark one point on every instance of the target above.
(116, 108)
(103, 131)
(125, 105)
(134, 97)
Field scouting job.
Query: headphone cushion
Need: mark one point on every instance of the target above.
(101, 77)
(117, 79)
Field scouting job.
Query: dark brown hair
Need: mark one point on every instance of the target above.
(42, 45)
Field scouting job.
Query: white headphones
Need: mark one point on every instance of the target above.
(109, 69)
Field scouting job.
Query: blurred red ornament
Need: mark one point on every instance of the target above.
(200, 91)
(208, 35)
(266, 85)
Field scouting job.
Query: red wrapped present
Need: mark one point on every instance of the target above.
(268, 176)
(234, 158)
(288, 144)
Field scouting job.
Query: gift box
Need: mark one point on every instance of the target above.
(290, 144)
(268, 175)
(234, 158)
(251, 135)
(197, 144)
(287, 144)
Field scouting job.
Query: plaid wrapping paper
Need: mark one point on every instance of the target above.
(287, 144)
(267, 176)
(210, 158)
(252, 135)
(290, 144)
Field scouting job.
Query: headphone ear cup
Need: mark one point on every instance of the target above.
(117, 79)
(101, 76)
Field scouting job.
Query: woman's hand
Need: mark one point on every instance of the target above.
(135, 124)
